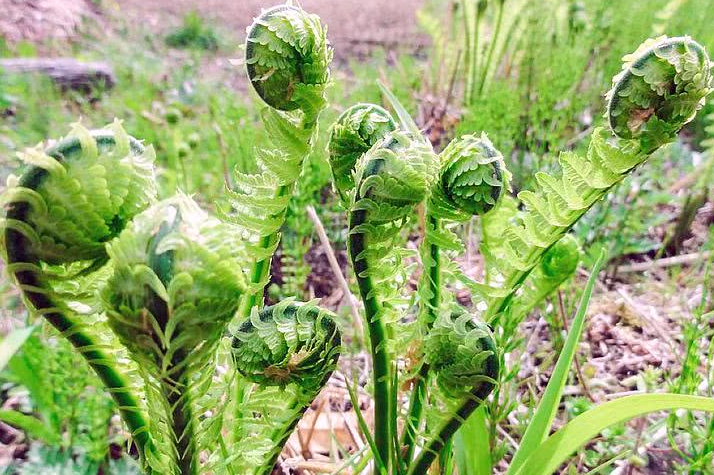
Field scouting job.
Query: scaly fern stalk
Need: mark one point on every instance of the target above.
(461, 350)
(73, 197)
(176, 284)
(287, 61)
(289, 351)
(472, 179)
(391, 179)
(660, 89)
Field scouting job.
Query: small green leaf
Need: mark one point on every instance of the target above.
(35, 428)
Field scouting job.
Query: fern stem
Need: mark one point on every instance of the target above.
(432, 268)
(377, 337)
(25, 266)
(260, 269)
(448, 429)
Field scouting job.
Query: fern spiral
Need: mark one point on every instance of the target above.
(287, 61)
(461, 351)
(661, 87)
(73, 197)
(356, 130)
(289, 350)
(175, 285)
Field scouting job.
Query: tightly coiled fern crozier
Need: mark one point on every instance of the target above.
(661, 87)
(176, 283)
(287, 60)
(357, 129)
(74, 197)
(289, 351)
(461, 351)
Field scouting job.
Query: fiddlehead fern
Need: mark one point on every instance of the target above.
(73, 197)
(472, 178)
(561, 200)
(461, 349)
(176, 284)
(391, 179)
(287, 60)
(661, 87)
(289, 350)
(357, 129)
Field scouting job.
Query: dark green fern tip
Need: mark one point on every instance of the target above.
(395, 175)
(287, 57)
(355, 132)
(79, 193)
(473, 174)
(176, 281)
(290, 342)
(562, 258)
(661, 87)
(461, 349)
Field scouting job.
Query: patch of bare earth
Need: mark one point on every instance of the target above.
(39, 21)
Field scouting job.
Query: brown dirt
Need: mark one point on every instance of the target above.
(355, 27)
(41, 20)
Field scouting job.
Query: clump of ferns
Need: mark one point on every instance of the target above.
(383, 169)
(145, 289)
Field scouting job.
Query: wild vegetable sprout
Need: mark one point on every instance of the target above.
(154, 294)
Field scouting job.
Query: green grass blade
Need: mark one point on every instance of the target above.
(33, 427)
(12, 343)
(472, 452)
(542, 421)
(559, 446)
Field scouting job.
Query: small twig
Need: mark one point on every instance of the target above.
(334, 265)
(666, 262)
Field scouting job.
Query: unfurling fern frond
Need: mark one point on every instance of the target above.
(357, 129)
(661, 87)
(289, 350)
(287, 58)
(461, 350)
(665, 80)
(176, 283)
(74, 197)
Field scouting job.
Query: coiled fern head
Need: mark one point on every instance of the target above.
(396, 175)
(356, 131)
(79, 193)
(286, 343)
(472, 176)
(176, 281)
(661, 87)
(562, 258)
(461, 349)
(287, 57)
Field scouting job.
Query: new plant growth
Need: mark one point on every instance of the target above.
(164, 301)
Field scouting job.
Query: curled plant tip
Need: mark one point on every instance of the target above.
(287, 343)
(461, 349)
(287, 57)
(79, 193)
(562, 258)
(661, 87)
(355, 132)
(395, 175)
(175, 285)
(472, 178)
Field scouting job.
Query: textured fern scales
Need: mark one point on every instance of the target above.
(79, 193)
(287, 56)
(176, 281)
(357, 130)
(661, 87)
